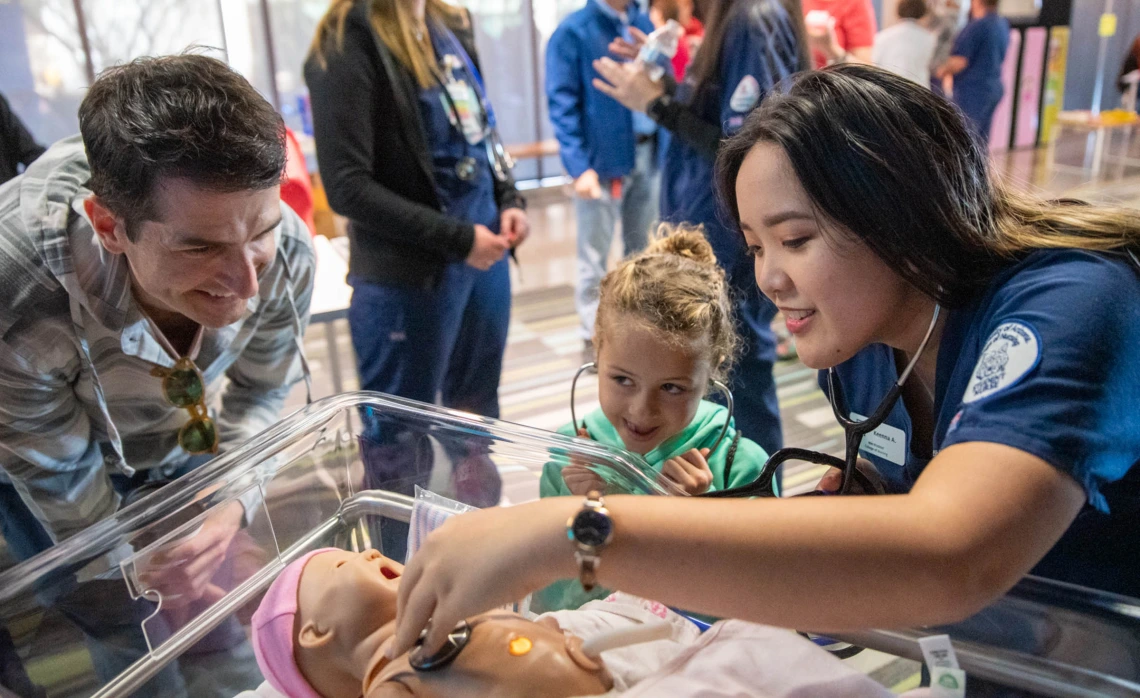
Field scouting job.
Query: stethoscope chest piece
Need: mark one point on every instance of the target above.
(457, 639)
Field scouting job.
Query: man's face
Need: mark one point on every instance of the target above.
(202, 256)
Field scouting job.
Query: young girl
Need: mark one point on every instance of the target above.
(664, 332)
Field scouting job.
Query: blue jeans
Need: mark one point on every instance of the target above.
(637, 208)
(436, 345)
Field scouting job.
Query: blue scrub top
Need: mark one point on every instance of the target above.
(759, 50)
(474, 200)
(983, 43)
(1046, 361)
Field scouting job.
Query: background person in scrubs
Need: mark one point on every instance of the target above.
(975, 62)
(1021, 421)
(749, 46)
(403, 156)
(402, 129)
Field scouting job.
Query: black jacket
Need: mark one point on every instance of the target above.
(375, 163)
(17, 147)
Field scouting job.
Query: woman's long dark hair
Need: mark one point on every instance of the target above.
(897, 167)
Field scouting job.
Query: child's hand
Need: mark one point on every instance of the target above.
(690, 470)
(833, 479)
(579, 477)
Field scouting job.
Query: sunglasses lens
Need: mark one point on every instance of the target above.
(198, 436)
(183, 387)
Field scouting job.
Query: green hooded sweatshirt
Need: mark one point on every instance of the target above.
(702, 432)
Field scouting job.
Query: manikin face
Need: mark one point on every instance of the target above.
(837, 296)
(351, 594)
(649, 387)
(202, 257)
(506, 657)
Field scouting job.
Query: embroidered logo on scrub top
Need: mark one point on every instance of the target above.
(1012, 351)
(746, 95)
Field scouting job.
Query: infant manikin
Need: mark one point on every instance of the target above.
(324, 624)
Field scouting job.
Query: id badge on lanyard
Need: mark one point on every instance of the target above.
(461, 103)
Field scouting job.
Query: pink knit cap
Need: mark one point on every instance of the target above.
(273, 631)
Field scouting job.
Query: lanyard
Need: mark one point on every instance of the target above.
(455, 48)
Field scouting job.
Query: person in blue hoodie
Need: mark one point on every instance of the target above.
(749, 46)
(609, 151)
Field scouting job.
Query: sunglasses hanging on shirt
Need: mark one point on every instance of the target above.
(184, 387)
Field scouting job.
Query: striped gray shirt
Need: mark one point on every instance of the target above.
(79, 401)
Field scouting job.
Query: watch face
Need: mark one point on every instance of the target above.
(592, 528)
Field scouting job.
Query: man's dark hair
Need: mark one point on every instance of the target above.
(991, 4)
(912, 9)
(187, 117)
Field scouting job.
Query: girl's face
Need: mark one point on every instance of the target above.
(649, 387)
(836, 295)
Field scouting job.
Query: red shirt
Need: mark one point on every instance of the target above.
(855, 24)
(681, 59)
(695, 31)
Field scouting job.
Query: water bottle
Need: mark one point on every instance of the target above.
(662, 43)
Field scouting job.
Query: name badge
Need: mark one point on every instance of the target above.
(885, 441)
(467, 114)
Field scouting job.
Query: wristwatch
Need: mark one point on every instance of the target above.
(590, 530)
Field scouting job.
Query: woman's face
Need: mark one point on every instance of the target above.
(836, 295)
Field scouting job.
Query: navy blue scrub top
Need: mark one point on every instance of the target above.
(983, 43)
(759, 50)
(473, 200)
(1046, 361)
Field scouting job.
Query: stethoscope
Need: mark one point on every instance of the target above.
(853, 432)
(592, 366)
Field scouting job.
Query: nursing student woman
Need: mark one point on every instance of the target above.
(1020, 458)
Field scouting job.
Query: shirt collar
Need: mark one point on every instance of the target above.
(104, 278)
(607, 10)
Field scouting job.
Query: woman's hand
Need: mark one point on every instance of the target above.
(488, 248)
(478, 561)
(690, 471)
(515, 226)
(628, 84)
(627, 50)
